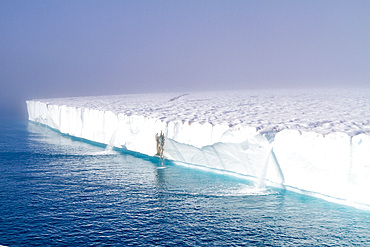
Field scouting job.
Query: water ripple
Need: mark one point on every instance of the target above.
(63, 194)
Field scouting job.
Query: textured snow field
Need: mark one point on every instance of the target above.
(315, 141)
(322, 111)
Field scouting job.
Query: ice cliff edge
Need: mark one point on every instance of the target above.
(241, 132)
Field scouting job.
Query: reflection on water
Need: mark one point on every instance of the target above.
(60, 191)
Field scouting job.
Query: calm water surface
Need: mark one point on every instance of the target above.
(57, 191)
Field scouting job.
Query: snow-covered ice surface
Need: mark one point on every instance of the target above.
(316, 141)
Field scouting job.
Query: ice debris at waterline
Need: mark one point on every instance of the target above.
(317, 141)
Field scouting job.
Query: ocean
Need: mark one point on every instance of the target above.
(57, 190)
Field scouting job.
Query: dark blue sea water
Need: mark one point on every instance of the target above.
(58, 191)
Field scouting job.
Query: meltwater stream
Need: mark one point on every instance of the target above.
(58, 191)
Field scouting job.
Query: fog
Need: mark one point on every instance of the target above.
(78, 48)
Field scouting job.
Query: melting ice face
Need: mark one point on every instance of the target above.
(314, 141)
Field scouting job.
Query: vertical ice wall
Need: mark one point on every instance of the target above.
(335, 165)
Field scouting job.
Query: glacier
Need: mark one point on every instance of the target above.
(310, 141)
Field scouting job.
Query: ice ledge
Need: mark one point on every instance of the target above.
(107, 127)
(336, 164)
(321, 111)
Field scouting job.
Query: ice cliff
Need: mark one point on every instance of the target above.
(313, 141)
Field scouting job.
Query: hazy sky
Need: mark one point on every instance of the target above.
(78, 48)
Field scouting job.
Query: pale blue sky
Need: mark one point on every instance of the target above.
(77, 48)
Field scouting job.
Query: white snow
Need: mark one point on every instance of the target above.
(311, 140)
